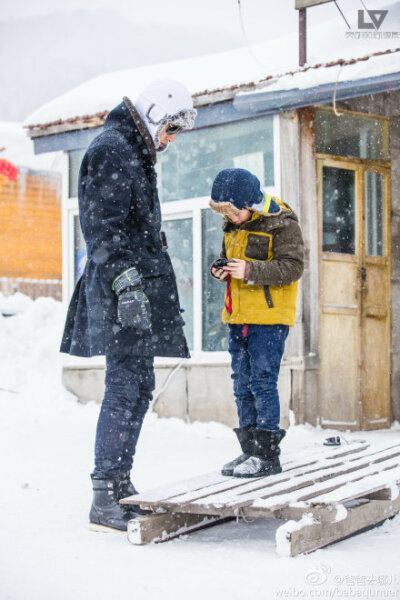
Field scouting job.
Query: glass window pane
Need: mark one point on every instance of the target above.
(79, 249)
(374, 186)
(215, 335)
(179, 234)
(75, 159)
(338, 210)
(351, 135)
(190, 165)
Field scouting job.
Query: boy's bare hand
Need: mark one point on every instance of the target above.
(236, 268)
(219, 273)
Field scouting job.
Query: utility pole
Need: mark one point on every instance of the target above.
(301, 6)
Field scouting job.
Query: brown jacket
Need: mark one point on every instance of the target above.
(272, 245)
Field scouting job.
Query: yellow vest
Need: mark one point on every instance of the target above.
(256, 304)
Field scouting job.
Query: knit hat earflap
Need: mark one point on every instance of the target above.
(235, 189)
(165, 101)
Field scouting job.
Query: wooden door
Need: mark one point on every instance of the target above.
(375, 298)
(354, 376)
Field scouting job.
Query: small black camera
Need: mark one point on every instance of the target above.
(221, 262)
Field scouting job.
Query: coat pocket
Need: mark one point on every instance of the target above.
(257, 246)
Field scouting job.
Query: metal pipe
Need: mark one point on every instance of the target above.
(302, 37)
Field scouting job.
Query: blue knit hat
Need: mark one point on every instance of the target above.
(235, 189)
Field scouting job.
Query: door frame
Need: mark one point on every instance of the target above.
(359, 166)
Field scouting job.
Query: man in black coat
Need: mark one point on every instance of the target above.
(126, 306)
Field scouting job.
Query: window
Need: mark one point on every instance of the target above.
(352, 135)
(194, 235)
(179, 234)
(374, 206)
(188, 168)
(214, 331)
(79, 250)
(185, 175)
(75, 159)
(338, 210)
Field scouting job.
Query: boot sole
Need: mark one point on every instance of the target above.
(259, 475)
(105, 528)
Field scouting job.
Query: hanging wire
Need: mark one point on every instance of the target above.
(246, 39)
(337, 113)
(340, 10)
(165, 385)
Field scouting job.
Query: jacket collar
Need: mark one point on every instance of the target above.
(144, 132)
(127, 121)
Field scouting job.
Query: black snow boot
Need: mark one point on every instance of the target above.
(125, 486)
(245, 437)
(106, 513)
(125, 489)
(265, 458)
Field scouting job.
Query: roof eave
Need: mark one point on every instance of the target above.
(249, 99)
(270, 102)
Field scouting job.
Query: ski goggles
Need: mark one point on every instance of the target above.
(173, 129)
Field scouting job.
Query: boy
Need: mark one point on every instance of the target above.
(264, 249)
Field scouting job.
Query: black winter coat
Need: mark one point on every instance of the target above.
(121, 219)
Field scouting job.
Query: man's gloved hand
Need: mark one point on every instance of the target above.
(133, 305)
(134, 309)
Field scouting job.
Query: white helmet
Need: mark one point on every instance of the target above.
(165, 101)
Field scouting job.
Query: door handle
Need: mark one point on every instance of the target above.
(363, 281)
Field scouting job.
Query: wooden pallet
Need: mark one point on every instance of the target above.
(323, 494)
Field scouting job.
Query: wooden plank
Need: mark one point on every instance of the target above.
(170, 490)
(278, 491)
(210, 482)
(315, 491)
(162, 527)
(368, 485)
(387, 493)
(285, 481)
(300, 4)
(327, 513)
(226, 484)
(305, 536)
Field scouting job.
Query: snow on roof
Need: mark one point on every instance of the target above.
(364, 67)
(243, 68)
(18, 149)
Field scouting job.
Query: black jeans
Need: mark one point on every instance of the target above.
(129, 387)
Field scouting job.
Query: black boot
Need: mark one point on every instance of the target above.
(245, 437)
(125, 489)
(106, 513)
(125, 486)
(265, 458)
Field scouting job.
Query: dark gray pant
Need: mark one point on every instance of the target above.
(129, 387)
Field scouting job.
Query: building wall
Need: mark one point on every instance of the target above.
(30, 227)
(194, 392)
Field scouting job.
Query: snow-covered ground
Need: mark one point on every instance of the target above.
(48, 552)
